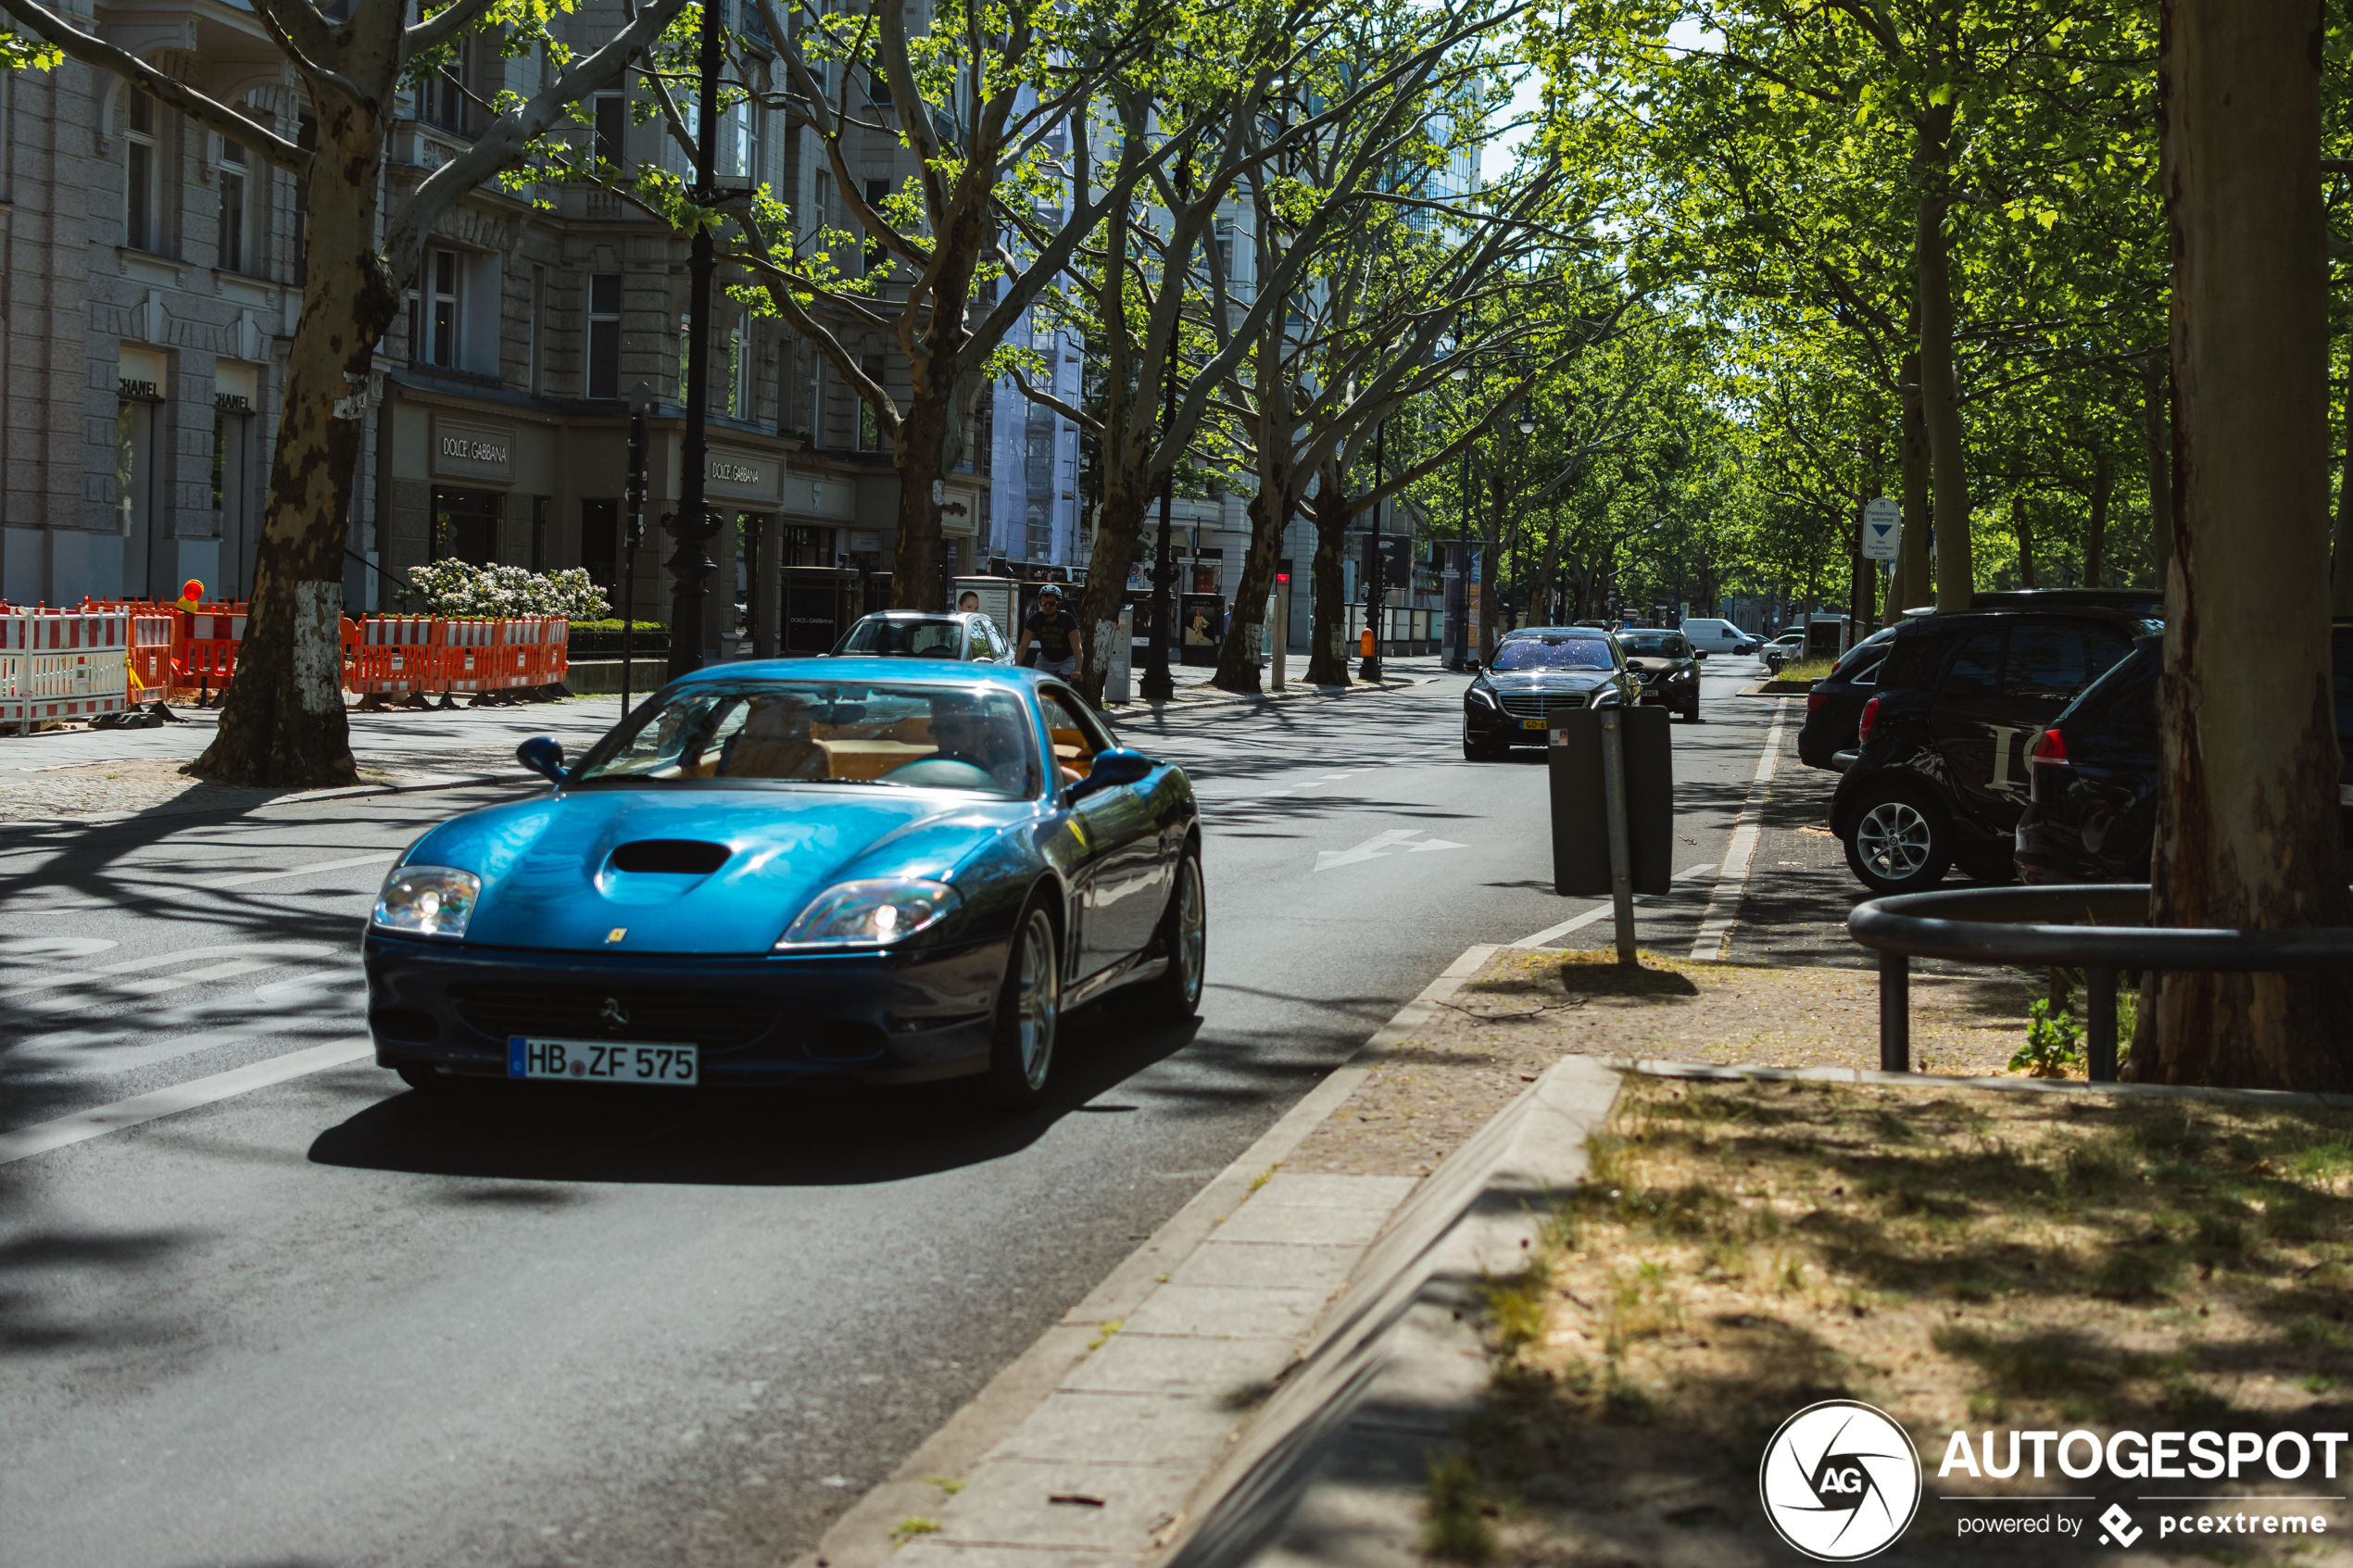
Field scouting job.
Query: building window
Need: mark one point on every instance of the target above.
(877, 192)
(684, 379)
(600, 543)
(604, 334)
(433, 327)
(443, 97)
(739, 141)
(230, 173)
(139, 170)
(465, 526)
(869, 422)
(738, 376)
(611, 122)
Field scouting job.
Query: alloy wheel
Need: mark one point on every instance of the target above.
(1193, 930)
(1039, 1003)
(1895, 838)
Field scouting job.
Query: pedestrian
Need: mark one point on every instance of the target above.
(1056, 631)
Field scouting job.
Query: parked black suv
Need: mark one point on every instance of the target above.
(1940, 775)
(2092, 816)
(1834, 707)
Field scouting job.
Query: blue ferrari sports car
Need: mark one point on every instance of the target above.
(848, 866)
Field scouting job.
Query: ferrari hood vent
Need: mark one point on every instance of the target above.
(679, 857)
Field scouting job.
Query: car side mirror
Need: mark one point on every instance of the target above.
(1473, 666)
(543, 755)
(1699, 653)
(1114, 768)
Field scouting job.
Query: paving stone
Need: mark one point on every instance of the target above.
(1151, 1363)
(1311, 1190)
(1224, 1262)
(1227, 1311)
(1312, 1226)
(1010, 1503)
(1073, 1427)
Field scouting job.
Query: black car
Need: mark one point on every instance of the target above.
(1940, 773)
(1834, 707)
(1511, 702)
(2092, 811)
(1668, 667)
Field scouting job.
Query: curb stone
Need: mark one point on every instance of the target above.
(1334, 1468)
(982, 1436)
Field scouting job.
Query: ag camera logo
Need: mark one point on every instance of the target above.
(1840, 1481)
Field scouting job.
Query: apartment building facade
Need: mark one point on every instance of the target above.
(154, 275)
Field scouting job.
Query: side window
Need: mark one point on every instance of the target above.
(2051, 663)
(1076, 734)
(1975, 675)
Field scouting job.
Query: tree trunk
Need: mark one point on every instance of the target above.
(2157, 439)
(918, 454)
(1119, 526)
(1237, 668)
(2247, 833)
(2096, 527)
(1330, 508)
(282, 721)
(2341, 556)
(1908, 587)
(1940, 394)
(2023, 526)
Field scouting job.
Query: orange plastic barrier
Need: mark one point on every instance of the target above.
(390, 654)
(208, 646)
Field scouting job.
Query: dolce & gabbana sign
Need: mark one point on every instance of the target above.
(472, 451)
(740, 474)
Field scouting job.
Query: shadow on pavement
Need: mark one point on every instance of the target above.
(823, 1133)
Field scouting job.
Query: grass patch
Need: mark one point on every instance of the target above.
(1456, 1527)
(1960, 1259)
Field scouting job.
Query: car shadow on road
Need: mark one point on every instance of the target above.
(822, 1132)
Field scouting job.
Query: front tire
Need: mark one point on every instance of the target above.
(1021, 1052)
(1901, 843)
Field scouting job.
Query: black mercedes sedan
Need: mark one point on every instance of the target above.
(1667, 666)
(1511, 702)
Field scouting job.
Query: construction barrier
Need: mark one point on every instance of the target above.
(392, 655)
(62, 664)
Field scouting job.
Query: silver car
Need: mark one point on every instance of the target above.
(914, 633)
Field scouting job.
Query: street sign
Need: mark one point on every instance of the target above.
(1882, 529)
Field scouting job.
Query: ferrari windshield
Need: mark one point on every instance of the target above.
(1554, 653)
(817, 731)
(886, 634)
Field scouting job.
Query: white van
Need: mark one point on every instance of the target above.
(1711, 635)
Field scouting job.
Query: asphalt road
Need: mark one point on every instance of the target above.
(323, 1320)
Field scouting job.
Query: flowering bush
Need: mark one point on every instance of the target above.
(495, 593)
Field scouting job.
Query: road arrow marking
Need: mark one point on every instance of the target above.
(1426, 846)
(1379, 847)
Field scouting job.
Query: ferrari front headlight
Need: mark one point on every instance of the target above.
(872, 913)
(427, 901)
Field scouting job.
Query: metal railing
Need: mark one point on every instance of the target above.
(2101, 928)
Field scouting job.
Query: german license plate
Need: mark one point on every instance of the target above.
(602, 1061)
(1533, 723)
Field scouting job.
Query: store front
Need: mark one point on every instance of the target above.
(236, 521)
(139, 488)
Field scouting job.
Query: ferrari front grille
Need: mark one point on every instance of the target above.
(714, 1019)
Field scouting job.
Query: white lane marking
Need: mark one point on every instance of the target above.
(246, 879)
(83, 1125)
(1716, 920)
(29, 950)
(1577, 922)
(281, 951)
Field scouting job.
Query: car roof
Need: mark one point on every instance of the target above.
(919, 615)
(854, 667)
(1555, 631)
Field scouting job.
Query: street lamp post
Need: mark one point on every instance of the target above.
(641, 404)
(694, 524)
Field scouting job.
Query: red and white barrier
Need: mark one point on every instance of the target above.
(62, 664)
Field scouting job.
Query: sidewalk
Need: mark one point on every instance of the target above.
(85, 776)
